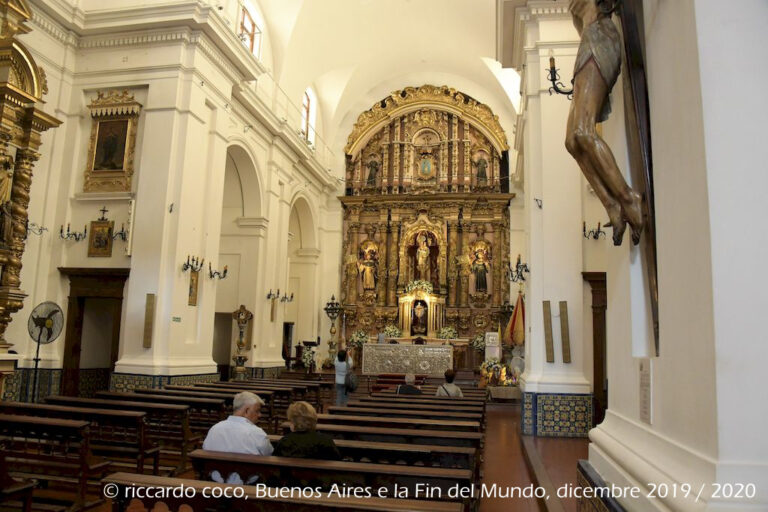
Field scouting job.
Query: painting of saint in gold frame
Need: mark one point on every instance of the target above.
(114, 119)
(100, 239)
(194, 278)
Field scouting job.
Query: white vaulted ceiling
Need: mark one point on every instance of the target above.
(355, 52)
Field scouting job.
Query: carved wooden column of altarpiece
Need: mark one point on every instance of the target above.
(426, 143)
(22, 86)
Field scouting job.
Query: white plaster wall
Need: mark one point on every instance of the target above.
(96, 347)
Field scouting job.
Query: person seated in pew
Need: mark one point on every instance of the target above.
(304, 441)
(448, 388)
(408, 388)
(239, 434)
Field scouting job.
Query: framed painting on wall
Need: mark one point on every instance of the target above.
(100, 239)
(193, 282)
(114, 119)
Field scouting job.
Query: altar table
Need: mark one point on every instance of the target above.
(399, 358)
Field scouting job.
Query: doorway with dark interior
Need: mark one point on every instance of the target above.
(92, 334)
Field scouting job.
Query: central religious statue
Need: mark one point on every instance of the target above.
(422, 258)
(426, 219)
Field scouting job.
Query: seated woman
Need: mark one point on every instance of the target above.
(409, 387)
(304, 441)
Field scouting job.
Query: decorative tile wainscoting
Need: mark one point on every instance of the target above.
(19, 385)
(12, 386)
(129, 381)
(557, 415)
(586, 476)
(93, 380)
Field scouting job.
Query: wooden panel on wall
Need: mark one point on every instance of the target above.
(149, 320)
(564, 332)
(548, 343)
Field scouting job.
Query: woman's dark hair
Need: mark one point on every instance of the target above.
(342, 355)
(449, 376)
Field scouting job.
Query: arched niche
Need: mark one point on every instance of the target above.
(303, 259)
(240, 162)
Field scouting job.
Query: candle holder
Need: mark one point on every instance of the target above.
(73, 235)
(285, 298)
(195, 264)
(333, 309)
(122, 234)
(554, 77)
(517, 274)
(271, 295)
(35, 228)
(215, 273)
(592, 233)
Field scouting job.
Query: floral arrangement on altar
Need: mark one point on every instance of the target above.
(447, 333)
(358, 338)
(308, 357)
(496, 373)
(392, 331)
(419, 284)
(478, 342)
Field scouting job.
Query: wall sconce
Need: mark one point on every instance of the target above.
(122, 234)
(554, 77)
(592, 233)
(195, 264)
(73, 235)
(35, 228)
(271, 295)
(286, 298)
(215, 273)
(517, 274)
(538, 202)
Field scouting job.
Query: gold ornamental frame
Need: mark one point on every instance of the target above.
(109, 110)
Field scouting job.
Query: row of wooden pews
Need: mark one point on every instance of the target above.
(422, 444)
(386, 440)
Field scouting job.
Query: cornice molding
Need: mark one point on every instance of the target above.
(46, 24)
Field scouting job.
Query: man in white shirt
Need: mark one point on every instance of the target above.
(239, 434)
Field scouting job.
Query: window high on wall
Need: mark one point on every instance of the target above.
(251, 24)
(308, 115)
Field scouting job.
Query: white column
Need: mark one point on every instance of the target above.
(555, 241)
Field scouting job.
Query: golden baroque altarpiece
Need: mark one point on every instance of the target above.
(22, 86)
(424, 204)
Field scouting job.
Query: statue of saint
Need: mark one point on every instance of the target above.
(373, 170)
(482, 176)
(422, 258)
(6, 185)
(481, 268)
(598, 62)
(367, 269)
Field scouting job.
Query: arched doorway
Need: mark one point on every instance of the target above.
(239, 250)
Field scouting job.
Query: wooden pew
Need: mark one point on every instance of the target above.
(387, 421)
(13, 492)
(250, 501)
(52, 449)
(428, 390)
(409, 454)
(432, 398)
(296, 392)
(402, 435)
(416, 402)
(203, 412)
(117, 435)
(277, 471)
(318, 387)
(374, 410)
(267, 395)
(167, 424)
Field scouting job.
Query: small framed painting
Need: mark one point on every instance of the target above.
(194, 278)
(100, 239)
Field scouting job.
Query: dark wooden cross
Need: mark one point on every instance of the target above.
(103, 213)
